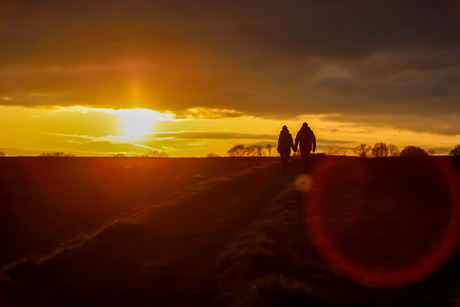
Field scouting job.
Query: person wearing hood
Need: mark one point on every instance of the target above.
(307, 141)
(285, 143)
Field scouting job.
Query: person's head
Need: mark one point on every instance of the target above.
(305, 125)
(285, 128)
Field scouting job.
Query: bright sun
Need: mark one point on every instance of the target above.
(135, 124)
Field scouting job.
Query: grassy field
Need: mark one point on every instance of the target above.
(228, 231)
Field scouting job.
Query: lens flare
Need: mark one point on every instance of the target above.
(303, 183)
(416, 255)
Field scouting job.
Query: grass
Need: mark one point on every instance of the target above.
(241, 239)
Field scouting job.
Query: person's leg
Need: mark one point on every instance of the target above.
(306, 162)
(284, 162)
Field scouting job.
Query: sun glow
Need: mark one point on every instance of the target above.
(135, 124)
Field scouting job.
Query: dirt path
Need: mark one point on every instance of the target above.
(163, 256)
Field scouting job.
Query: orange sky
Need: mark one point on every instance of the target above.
(95, 131)
(190, 78)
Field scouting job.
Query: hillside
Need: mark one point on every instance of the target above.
(238, 234)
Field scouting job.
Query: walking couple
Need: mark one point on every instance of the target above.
(307, 140)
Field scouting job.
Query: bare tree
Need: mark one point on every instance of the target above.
(393, 150)
(236, 151)
(380, 150)
(249, 151)
(246, 151)
(362, 150)
(258, 151)
(269, 149)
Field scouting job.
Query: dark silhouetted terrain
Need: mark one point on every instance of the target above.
(221, 232)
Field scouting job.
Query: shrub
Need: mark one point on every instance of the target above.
(413, 151)
(455, 151)
(335, 151)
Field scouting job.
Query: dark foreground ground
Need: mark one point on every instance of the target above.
(220, 232)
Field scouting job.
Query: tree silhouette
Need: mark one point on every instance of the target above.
(56, 154)
(413, 151)
(380, 150)
(211, 155)
(2, 154)
(119, 155)
(246, 151)
(362, 150)
(249, 151)
(455, 151)
(155, 154)
(269, 149)
(258, 151)
(236, 151)
(393, 150)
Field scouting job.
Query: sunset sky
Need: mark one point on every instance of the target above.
(193, 77)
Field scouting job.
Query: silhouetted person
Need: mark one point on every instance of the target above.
(285, 144)
(307, 141)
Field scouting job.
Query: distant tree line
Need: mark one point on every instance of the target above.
(149, 154)
(390, 150)
(56, 154)
(155, 154)
(362, 150)
(250, 151)
(60, 154)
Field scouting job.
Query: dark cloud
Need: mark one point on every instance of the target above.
(446, 124)
(273, 59)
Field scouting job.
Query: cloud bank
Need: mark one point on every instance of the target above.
(391, 63)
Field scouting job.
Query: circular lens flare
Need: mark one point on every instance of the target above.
(383, 275)
(303, 183)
